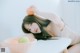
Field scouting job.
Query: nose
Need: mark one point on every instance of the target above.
(33, 28)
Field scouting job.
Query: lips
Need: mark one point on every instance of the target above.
(36, 30)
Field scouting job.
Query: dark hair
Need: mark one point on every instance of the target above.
(41, 22)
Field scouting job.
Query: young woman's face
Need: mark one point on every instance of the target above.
(34, 28)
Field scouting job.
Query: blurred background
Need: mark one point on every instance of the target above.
(12, 13)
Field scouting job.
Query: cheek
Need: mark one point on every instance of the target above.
(37, 26)
(34, 26)
(32, 29)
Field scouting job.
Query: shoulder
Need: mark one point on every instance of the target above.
(49, 26)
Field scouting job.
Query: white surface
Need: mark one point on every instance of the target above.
(50, 46)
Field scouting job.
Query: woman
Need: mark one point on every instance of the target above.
(32, 24)
(47, 28)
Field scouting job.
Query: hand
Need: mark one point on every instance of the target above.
(31, 10)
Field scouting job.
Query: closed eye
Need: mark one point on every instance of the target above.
(29, 27)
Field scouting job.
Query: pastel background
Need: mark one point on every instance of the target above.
(12, 13)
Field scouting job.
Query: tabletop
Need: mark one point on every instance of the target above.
(43, 46)
(50, 46)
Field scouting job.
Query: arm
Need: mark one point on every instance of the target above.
(55, 19)
(53, 29)
(65, 51)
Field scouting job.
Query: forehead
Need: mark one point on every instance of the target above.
(27, 26)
